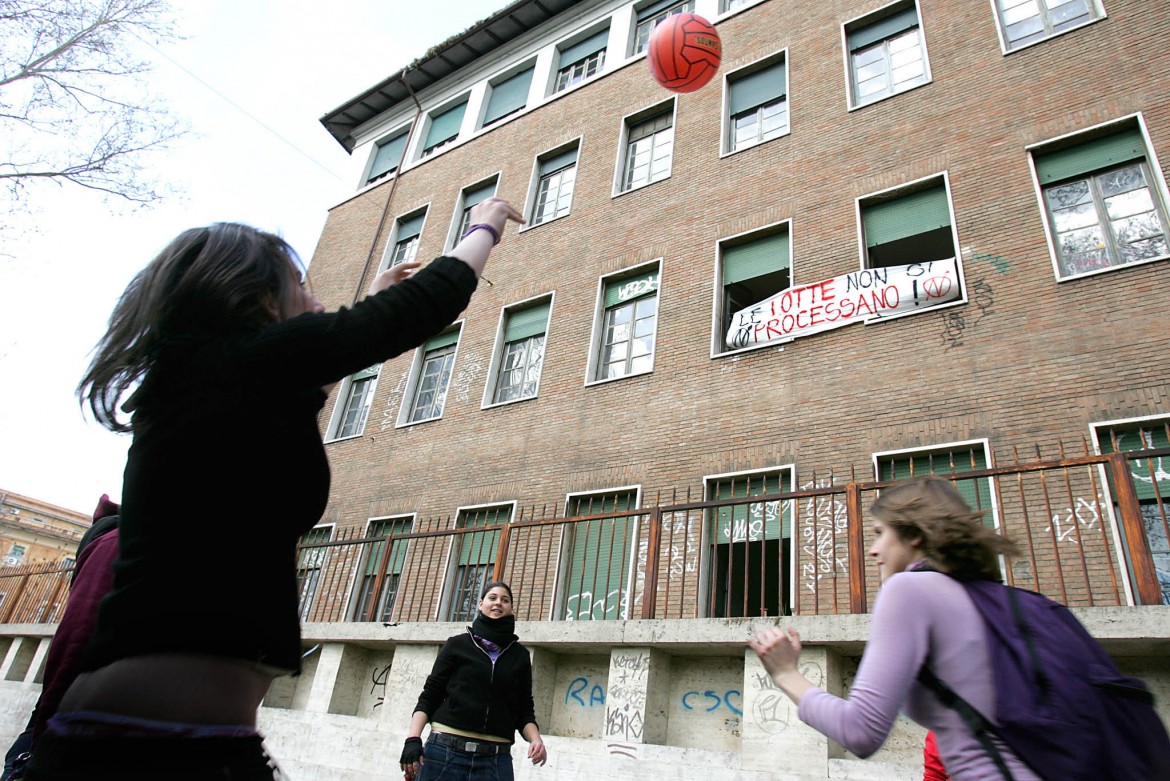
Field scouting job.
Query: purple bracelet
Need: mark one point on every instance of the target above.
(483, 226)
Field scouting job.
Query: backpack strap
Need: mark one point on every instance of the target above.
(975, 721)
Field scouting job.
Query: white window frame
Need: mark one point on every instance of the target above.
(382, 140)
(875, 17)
(706, 543)
(423, 153)
(452, 564)
(497, 364)
(727, 132)
(630, 121)
(602, 56)
(993, 511)
(908, 189)
(359, 568)
(534, 181)
(498, 79)
(461, 215)
(388, 254)
(406, 410)
(1157, 184)
(718, 348)
(321, 556)
(1096, 429)
(344, 396)
(1097, 11)
(636, 47)
(599, 319)
(561, 577)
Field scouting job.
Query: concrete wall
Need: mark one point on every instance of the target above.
(635, 699)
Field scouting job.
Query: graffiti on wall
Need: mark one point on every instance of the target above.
(824, 547)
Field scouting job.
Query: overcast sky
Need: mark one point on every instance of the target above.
(286, 63)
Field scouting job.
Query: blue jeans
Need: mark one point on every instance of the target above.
(443, 763)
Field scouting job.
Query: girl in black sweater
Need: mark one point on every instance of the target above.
(223, 352)
(478, 695)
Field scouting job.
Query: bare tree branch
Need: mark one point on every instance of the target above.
(72, 107)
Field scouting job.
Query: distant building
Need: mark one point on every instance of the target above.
(34, 532)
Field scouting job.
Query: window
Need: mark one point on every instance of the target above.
(310, 563)
(908, 226)
(650, 15)
(476, 557)
(749, 546)
(357, 392)
(522, 356)
(1151, 480)
(508, 96)
(469, 198)
(731, 5)
(944, 461)
(554, 188)
(406, 237)
(581, 60)
(434, 375)
(1026, 21)
(15, 555)
(649, 150)
(757, 103)
(887, 55)
(444, 128)
(389, 563)
(387, 155)
(599, 556)
(630, 317)
(1102, 203)
(752, 269)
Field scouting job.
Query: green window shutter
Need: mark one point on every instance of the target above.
(751, 522)
(579, 51)
(910, 215)
(445, 339)
(508, 96)
(387, 156)
(976, 492)
(397, 550)
(480, 548)
(1144, 439)
(883, 29)
(557, 162)
(656, 8)
(526, 322)
(622, 290)
(410, 227)
(445, 126)
(366, 374)
(1095, 155)
(757, 89)
(599, 558)
(755, 258)
(478, 195)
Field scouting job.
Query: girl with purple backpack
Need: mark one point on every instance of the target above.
(922, 619)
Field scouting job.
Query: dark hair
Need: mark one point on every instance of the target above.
(497, 584)
(207, 283)
(951, 535)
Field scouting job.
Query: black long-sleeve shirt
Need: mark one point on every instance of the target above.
(468, 691)
(227, 470)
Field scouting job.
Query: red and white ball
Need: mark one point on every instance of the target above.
(684, 52)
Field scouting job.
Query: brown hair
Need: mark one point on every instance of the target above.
(497, 584)
(951, 535)
(207, 283)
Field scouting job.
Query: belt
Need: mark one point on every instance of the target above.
(460, 743)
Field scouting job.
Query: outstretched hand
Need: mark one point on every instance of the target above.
(495, 212)
(778, 649)
(393, 275)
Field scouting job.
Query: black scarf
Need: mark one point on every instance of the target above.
(500, 631)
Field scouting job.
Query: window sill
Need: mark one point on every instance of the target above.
(1108, 269)
(346, 438)
(883, 98)
(412, 423)
(1006, 50)
(495, 404)
(638, 187)
(745, 148)
(590, 383)
(527, 227)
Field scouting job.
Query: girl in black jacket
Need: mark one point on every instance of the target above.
(478, 695)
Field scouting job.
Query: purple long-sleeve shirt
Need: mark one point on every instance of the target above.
(917, 616)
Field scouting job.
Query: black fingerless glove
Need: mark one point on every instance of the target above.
(412, 751)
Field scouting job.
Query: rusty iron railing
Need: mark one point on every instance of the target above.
(1087, 537)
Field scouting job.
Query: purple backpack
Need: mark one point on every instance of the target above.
(1063, 707)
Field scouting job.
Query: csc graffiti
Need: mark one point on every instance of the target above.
(711, 701)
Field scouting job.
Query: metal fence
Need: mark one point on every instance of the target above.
(1092, 530)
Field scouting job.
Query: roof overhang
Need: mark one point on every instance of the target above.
(439, 62)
